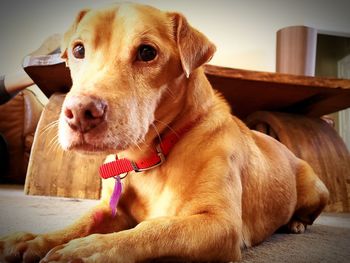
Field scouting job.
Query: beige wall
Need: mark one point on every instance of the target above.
(244, 31)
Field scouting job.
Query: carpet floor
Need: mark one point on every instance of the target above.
(328, 240)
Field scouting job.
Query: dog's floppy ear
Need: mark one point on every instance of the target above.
(194, 48)
(67, 36)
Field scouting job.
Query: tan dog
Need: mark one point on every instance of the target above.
(137, 77)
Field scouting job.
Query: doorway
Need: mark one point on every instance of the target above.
(333, 60)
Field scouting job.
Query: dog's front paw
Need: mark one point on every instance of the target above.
(93, 248)
(23, 247)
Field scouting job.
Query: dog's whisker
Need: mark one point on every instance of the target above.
(49, 127)
(167, 126)
(51, 124)
(171, 93)
(142, 143)
(67, 153)
(135, 144)
(53, 144)
(156, 130)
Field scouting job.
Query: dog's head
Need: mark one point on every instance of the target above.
(123, 59)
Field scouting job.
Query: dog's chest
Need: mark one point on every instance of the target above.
(157, 200)
(162, 205)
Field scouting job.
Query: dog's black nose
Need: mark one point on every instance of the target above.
(83, 113)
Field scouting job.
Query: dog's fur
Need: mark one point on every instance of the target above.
(223, 187)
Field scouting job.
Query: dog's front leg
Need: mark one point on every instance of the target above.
(202, 237)
(25, 247)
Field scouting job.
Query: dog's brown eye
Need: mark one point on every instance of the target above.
(79, 51)
(146, 53)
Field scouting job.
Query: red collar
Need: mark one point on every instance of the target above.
(122, 166)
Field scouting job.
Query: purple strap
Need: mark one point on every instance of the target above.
(113, 202)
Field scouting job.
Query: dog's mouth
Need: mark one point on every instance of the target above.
(97, 140)
(85, 142)
(89, 143)
(87, 148)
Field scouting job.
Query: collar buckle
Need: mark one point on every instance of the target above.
(161, 161)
